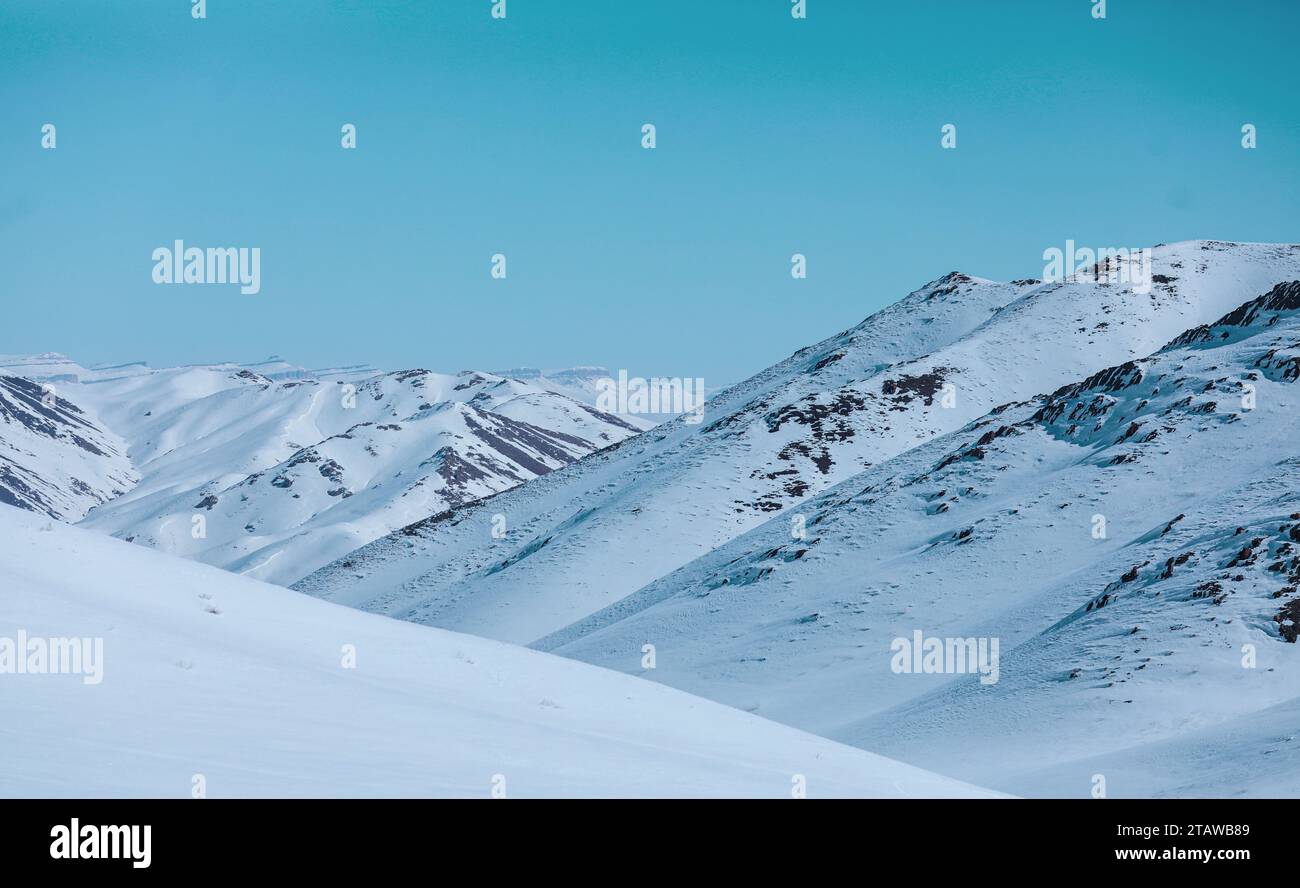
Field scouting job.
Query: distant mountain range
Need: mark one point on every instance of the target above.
(271, 469)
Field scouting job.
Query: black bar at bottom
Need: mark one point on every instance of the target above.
(333, 838)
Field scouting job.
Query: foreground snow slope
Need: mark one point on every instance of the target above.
(288, 474)
(1160, 653)
(208, 673)
(585, 537)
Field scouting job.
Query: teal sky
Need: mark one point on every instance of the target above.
(522, 136)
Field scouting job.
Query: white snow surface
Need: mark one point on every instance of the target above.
(207, 673)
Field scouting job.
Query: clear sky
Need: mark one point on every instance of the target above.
(523, 136)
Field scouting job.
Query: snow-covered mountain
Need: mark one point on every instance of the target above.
(1132, 540)
(270, 468)
(55, 457)
(275, 478)
(213, 683)
(583, 538)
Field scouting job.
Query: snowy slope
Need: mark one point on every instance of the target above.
(666, 496)
(1255, 755)
(206, 673)
(1121, 655)
(583, 538)
(285, 476)
(55, 457)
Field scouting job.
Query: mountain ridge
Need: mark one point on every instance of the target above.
(856, 399)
